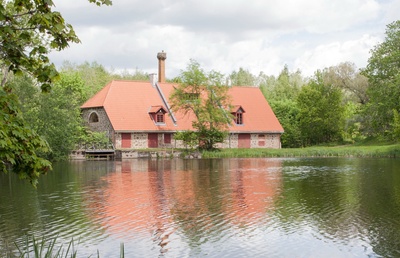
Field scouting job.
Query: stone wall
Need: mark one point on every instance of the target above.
(270, 141)
(103, 124)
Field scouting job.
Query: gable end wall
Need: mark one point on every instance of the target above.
(103, 125)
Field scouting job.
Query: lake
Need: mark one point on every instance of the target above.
(262, 207)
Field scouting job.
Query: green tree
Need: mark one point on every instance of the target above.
(286, 111)
(58, 115)
(383, 73)
(20, 146)
(321, 112)
(204, 95)
(29, 30)
(347, 77)
(353, 85)
(281, 93)
(242, 78)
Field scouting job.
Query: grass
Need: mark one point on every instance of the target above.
(390, 150)
(46, 248)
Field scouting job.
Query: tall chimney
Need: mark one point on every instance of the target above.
(161, 66)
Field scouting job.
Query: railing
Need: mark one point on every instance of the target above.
(99, 146)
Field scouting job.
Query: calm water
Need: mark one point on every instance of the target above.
(326, 207)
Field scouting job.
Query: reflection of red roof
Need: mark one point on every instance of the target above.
(127, 104)
(143, 196)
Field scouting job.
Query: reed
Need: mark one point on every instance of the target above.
(49, 248)
(320, 151)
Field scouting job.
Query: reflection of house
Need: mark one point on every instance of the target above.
(137, 115)
(186, 199)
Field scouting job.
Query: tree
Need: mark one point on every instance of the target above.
(346, 76)
(58, 117)
(20, 146)
(281, 93)
(206, 97)
(383, 73)
(286, 86)
(242, 78)
(29, 30)
(321, 112)
(286, 111)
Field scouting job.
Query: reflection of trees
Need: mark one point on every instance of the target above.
(55, 209)
(343, 204)
(380, 188)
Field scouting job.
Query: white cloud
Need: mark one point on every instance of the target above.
(260, 35)
(325, 55)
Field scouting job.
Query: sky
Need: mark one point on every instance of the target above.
(225, 35)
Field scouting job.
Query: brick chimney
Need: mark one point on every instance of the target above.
(161, 56)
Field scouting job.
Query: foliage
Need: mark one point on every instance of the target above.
(58, 115)
(29, 30)
(383, 73)
(281, 93)
(287, 113)
(321, 113)
(45, 248)
(315, 151)
(286, 87)
(206, 97)
(95, 75)
(87, 137)
(345, 76)
(395, 125)
(242, 78)
(20, 146)
(190, 138)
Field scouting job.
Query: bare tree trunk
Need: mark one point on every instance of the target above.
(5, 75)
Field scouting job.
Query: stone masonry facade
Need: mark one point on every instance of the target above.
(97, 120)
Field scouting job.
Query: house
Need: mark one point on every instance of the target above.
(137, 115)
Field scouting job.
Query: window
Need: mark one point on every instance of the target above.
(93, 117)
(167, 138)
(261, 140)
(160, 117)
(239, 118)
(157, 114)
(237, 113)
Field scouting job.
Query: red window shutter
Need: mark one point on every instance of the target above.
(167, 138)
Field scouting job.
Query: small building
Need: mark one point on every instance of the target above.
(137, 115)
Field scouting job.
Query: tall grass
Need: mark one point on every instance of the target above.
(45, 248)
(338, 151)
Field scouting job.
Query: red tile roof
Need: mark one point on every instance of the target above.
(127, 104)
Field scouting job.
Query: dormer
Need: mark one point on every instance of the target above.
(157, 114)
(237, 112)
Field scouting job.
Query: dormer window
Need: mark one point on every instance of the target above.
(239, 118)
(157, 114)
(237, 113)
(160, 117)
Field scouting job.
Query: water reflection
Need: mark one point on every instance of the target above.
(190, 201)
(216, 208)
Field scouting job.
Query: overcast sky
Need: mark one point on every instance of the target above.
(224, 35)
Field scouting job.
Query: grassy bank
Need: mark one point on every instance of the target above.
(392, 150)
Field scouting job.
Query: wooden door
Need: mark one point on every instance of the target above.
(152, 140)
(126, 140)
(244, 140)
